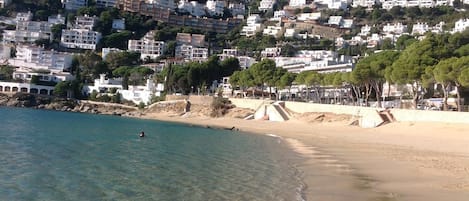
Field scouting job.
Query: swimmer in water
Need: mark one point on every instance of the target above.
(142, 134)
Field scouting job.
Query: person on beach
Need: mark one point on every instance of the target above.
(142, 134)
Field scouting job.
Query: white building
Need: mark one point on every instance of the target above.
(193, 8)
(365, 30)
(191, 53)
(136, 94)
(44, 75)
(271, 52)
(373, 40)
(397, 28)
(244, 61)
(340, 22)
(24, 16)
(278, 15)
(196, 40)
(335, 20)
(297, 3)
(85, 22)
(334, 4)
(24, 36)
(214, 7)
(33, 57)
(74, 4)
(106, 3)
(56, 19)
(28, 31)
(388, 4)
(253, 26)
(266, 5)
(227, 53)
(147, 46)
(461, 25)
(118, 24)
(191, 47)
(290, 33)
(106, 50)
(363, 3)
(315, 60)
(420, 28)
(237, 9)
(165, 4)
(80, 38)
(26, 87)
(309, 16)
(275, 31)
(4, 3)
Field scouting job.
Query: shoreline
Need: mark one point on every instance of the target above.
(397, 161)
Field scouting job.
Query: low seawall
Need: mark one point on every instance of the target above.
(194, 99)
(401, 115)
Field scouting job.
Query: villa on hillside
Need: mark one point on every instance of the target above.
(137, 94)
(147, 46)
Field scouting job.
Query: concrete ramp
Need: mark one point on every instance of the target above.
(374, 119)
(272, 112)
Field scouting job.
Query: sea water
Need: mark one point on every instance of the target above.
(50, 155)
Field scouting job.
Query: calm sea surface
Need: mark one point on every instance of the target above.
(49, 155)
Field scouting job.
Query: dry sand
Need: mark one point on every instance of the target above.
(397, 161)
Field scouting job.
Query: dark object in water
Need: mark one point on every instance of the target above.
(142, 134)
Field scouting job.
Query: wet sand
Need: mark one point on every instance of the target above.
(397, 161)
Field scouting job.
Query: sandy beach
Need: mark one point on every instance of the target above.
(397, 161)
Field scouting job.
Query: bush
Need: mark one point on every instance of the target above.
(220, 106)
(141, 105)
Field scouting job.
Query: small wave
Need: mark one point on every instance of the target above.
(273, 135)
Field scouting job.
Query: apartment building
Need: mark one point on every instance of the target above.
(215, 8)
(397, 28)
(253, 26)
(28, 32)
(80, 38)
(266, 5)
(322, 61)
(192, 7)
(191, 47)
(33, 57)
(147, 46)
(85, 22)
(363, 3)
(271, 52)
(237, 9)
(56, 19)
(461, 25)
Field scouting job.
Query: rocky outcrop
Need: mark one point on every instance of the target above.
(61, 104)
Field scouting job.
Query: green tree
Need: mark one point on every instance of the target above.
(91, 66)
(262, 72)
(288, 50)
(286, 81)
(117, 40)
(117, 59)
(370, 72)
(229, 66)
(410, 66)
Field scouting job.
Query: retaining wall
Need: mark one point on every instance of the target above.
(402, 115)
(199, 100)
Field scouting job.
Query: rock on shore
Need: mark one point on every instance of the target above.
(61, 104)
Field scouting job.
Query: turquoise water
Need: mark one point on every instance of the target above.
(49, 155)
